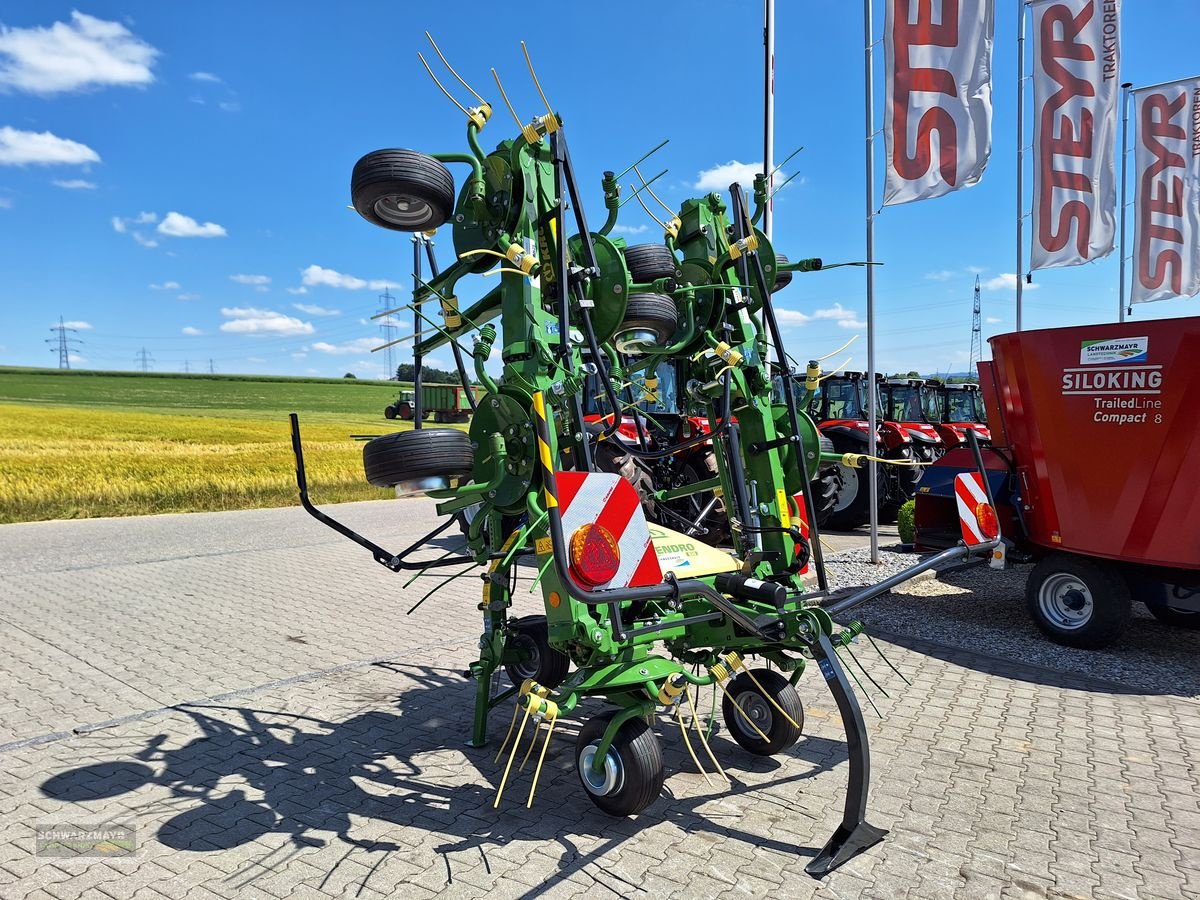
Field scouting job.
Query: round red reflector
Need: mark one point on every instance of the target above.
(595, 556)
(989, 525)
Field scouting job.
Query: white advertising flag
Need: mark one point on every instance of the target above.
(1166, 258)
(1076, 88)
(938, 105)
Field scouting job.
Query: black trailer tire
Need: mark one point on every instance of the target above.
(782, 278)
(654, 313)
(407, 455)
(633, 772)
(389, 412)
(780, 733)
(1177, 618)
(1077, 601)
(825, 489)
(545, 665)
(649, 262)
(1157, 598)
(402, 190)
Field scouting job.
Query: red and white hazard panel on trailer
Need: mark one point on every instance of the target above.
(608, 539)
(976, 517)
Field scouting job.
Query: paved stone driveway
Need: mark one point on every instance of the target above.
(277, 727)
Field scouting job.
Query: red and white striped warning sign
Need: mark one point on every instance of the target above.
(975, 515)
(611, 505)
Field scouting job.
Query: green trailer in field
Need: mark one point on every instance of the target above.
(445, 402)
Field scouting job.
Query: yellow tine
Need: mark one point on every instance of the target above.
(541, 759)
(511, 726)
(703, 739)
(504, 96)
(688, 743)
(452, 72)
(511, 757)
(536, 83)
(462, 108)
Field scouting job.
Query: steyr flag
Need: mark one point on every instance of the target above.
(938, 115)
(1076, 89)
(1166, 257)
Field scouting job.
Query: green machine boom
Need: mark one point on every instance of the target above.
(571, 302)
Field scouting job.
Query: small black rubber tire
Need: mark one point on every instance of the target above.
(389, 412)
(781, 733)
(1111, 604)
(637, 749)
(650, 262)
(782, 279)
(825, 489)
(402, 177)
(651, 312)
(548, 667)
(407, 455)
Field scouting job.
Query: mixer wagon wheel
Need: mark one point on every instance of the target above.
(1157, 598)
(402, 190)
(541, 662)
(649, 262)
(633, 773)
(1078, 601)
(782, 278)
(431, 453)
(650, 319)
(767, 719)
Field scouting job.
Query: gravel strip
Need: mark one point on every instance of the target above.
(983, 611)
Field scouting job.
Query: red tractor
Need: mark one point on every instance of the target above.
(904, 401)
(954, 408)
(839, 406)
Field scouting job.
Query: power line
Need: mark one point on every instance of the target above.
(62, 344)
(211, 370)
(143, 359)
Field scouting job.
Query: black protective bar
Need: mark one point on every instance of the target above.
(418, 357)
(454, 348)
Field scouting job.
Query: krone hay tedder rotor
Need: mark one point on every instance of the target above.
(635, 615)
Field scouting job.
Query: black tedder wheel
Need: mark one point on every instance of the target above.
(389, 412)
(402, 190)
(782, 278)
(825, 489)
(545, 665)
(780, 732)
(633, 771)
(649, 319)
(649, 262)
(407, 455)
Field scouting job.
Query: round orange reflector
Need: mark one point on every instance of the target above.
(595, 556)
(989, 525)
(554, 599)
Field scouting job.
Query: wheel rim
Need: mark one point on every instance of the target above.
(527, 668)
(1065, 601)
(609, 780)
(755, 706)
(849, 488)
(404, 210)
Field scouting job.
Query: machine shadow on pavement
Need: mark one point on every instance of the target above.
(251, 773)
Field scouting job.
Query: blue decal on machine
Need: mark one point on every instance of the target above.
(552, 328)
(827, 669)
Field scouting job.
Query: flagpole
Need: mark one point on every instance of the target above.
(872, 412)
(1124, 182)
(769, 114)
(1024, 4)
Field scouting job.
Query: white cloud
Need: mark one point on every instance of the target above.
(78, 326)
(992, 320)
(144, 218)
(943, 275)
(297, 290)
(718, 178)
(5, 203)
(372, 368)
(74, 184)
(359, 345)
(317, 276)
(178, 225)
(251, 279)
(118, 224)
(192, 332)
(143, 240)
(205, 76)
(71, 56)
(314, 310)
(845, 318)
(630, 229)
(1006, 281)
(249, 320)
(188, 297)
(976, 270)
(792, 317)
(41, 148)
(165, 286)
(76, 358)
(230, 106)
(383, 320)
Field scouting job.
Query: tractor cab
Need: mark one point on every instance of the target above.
(903, 402)
(955, 409)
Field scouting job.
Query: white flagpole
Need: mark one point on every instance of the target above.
(769, 114)
(1024, 6)
(1124, 181)
(872, 412)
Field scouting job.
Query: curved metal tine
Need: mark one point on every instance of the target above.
(646, 185)
(537, 84)
(860, 684)
(645, 157)
(452, 72)
(449, 97)
(886, 660)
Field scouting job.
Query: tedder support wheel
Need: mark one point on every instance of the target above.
(782, 278)
(826, 487)
(649, 262)
(431, 453)
(632, 776)
(1077, 601)
(650, 319)
(530, 637)
(389, 412)
(402, 190)
(780, 733)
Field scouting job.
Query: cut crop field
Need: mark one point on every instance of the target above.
(76, 445)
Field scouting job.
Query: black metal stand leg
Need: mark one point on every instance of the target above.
(855, 834)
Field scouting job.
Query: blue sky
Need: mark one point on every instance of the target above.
(180, 182)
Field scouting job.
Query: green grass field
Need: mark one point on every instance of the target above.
(75, 444)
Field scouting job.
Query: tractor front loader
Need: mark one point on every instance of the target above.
(638, 615)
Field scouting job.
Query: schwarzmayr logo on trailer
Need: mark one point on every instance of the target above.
(1119, 350)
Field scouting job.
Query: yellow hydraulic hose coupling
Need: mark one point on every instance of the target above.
(518, 257)
(672, 690)
(743, 245)
(812, 378)
(529, 686)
